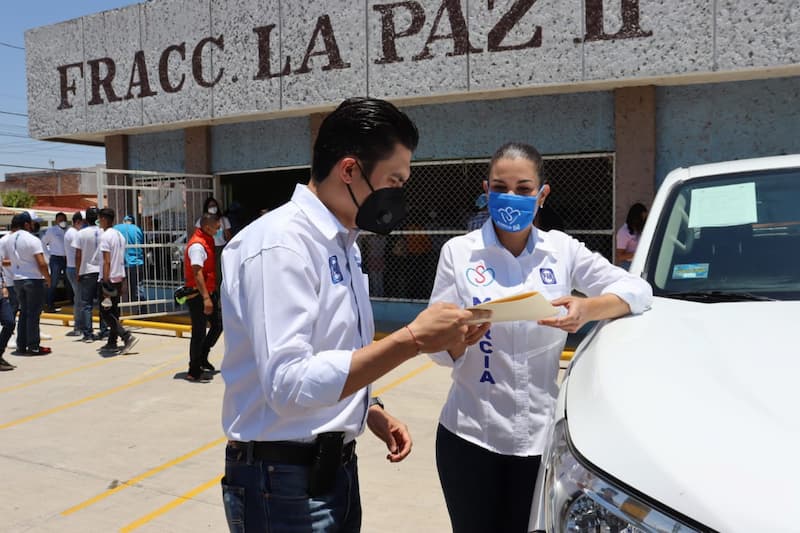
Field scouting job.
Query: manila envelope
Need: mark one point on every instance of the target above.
(525, 306)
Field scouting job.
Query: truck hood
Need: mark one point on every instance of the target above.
(697, 406)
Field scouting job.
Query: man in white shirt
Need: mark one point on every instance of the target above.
(87, 259)
(72, 274)
(8, 301)
(112, 278)
(299, 350)
(53, 241)
(31, 278)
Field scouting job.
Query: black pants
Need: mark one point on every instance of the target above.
(484, 491)
(110, 315)
(202, 342)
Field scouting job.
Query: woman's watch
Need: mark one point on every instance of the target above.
(376, 400)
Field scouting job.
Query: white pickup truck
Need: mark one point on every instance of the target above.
(687, 417)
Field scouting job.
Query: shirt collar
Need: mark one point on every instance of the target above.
(322, 217)
(537, 240)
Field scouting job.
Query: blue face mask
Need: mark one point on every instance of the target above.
(512, 212)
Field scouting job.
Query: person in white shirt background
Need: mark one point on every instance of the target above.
(628, 235)
(494, 423)
(8, 298)
(223, 234)
(72, 274)
(87, 259)
(53, 241)
(299, 351)
(31, 279)
(112, 280)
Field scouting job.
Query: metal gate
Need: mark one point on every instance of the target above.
(164, 208)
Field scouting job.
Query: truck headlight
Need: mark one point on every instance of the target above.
(579, 499)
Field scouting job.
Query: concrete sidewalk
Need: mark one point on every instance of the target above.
(124, 443)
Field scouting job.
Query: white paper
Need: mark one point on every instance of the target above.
(525, 306)
(727, 205)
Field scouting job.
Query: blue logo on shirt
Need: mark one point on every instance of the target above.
(548, 278)
(336, 272)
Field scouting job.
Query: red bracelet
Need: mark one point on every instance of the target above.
(414, 337)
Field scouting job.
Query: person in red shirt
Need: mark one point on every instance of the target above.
(200, 271)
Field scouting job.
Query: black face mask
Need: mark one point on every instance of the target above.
(383, 210)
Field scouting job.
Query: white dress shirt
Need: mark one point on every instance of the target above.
(6, 249)
(113, 242)
(504, 387)
(53, 240)
(69, 238)
(293, 315)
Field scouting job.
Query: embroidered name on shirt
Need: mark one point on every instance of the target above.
(548, 277)
(336, 272)
(480, 276)
(485, 346)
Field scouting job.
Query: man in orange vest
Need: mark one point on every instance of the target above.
(200, 271)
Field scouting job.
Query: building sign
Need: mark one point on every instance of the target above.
(190, 61)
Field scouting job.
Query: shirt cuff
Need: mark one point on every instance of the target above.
(636, 300)
(323, 386)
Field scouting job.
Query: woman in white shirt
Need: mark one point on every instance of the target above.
(628, 235)
(494, 424)
(223, 234)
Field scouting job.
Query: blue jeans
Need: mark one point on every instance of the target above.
(58, 269)
(7, 312)
(77, 303)
(30, 293)
(88, 288)
(266, 497)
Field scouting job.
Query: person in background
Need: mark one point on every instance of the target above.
(8, 301)
(493, 426)
(223, 235)
(112, 280)
(134, 258)
(482, 215)
(628, 235)
(200, 273)
(31, 278)
(53, 241)
(87, 260)
(72, 275)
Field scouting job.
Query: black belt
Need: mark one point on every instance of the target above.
(293, 453)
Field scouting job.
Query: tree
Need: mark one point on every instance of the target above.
(17, 198)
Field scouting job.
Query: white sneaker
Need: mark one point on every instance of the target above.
(45, 336)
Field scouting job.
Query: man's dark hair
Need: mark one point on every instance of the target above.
(108, 214)
(365, 128)
(76, 217)
(19, 220)
(60, 214)
(208, 218)
(91, 216)
(517, 150)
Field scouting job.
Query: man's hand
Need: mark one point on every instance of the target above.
(208, 306)
(5, 292)
(391, 431)
(443, 325)
(47, 282)
(474, 333)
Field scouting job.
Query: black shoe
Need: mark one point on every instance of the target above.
(19, 352)
(202, 378)
(74, 333)
(130, 342)
(5, 365)
(90, 338)
(207, 367)
(108, 349)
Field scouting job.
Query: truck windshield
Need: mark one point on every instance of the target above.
(730, 237)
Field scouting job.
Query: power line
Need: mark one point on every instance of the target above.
(71, 170)
(12, 113)
(11, 46)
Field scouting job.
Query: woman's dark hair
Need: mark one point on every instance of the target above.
(634, 220)
(208, 201)
(366, 128)
(516, 150)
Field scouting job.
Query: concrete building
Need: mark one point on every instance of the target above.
(615, 92)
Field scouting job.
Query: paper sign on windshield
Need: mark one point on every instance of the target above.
(727, 205)
(525, 306)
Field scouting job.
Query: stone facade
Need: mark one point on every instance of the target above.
(191, 62)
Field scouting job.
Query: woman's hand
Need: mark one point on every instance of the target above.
(577, 314)
(391, 431)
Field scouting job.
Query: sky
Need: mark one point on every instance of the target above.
(16, 147)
